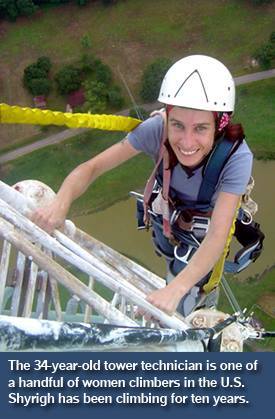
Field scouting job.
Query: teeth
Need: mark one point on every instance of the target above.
(187, 153)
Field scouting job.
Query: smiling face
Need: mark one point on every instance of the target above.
(191, 134)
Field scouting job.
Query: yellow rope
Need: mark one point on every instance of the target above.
(18, 115)
(219, 267)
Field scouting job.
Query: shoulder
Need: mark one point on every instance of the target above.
(243, 155)
(147, 136)
(237, 171)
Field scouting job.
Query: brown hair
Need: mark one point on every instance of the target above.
(234, 131)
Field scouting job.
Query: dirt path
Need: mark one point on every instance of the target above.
(248, 78)
(69, 133)
(53, 139)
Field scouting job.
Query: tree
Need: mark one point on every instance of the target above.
(138, 112)
(152, 78)
(265, 54)
(51, 1)
(3, 8)
(26, 7)
(68, 79)
(108, 2)
(87, 62)
(115, 98)
(96, 96)
(102, 72)
(44, 64)
(9, 9)
(35, 77)
(86, 41)
(39, 87)
(31, 72)
(259, 2)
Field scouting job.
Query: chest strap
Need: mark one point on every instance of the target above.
(216, 162)
(163, 156)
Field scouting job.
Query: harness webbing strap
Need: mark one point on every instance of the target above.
(151, 181)
(218, 269)
(165, 194)
(213, 169)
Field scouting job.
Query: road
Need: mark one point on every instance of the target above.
(69, 133)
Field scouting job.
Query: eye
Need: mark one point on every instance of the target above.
(177, 125)
(201, 128)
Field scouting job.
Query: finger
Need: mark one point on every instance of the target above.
(43, 222)
(143, 313)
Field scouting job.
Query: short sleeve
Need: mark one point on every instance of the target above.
(237, 171)
(147, 136)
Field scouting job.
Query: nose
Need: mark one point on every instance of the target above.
(187, 139)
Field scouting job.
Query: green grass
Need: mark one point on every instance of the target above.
(256, 110)
(248, 293)
(249, 290)
(231, 30)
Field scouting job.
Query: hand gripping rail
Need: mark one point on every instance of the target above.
(34, 243)
(39, 271)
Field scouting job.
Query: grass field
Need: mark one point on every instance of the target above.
(129, 35)
(211, 26)
(257, 295)
(255, 108)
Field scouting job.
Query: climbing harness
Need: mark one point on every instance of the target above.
(185, 224)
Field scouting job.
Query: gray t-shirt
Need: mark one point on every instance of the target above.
(233, 178)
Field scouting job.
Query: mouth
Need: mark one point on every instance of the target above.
(188, 152)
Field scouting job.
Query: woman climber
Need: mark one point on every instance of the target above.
(203, 165)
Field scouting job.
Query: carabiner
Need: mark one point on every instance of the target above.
(185, 258)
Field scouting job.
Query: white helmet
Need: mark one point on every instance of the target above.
(199, 82)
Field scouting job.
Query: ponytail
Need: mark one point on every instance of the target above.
(234, 131)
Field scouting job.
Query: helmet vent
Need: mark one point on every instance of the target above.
(194, 73)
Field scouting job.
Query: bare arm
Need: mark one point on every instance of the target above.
(77, 182)
(205, 257)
